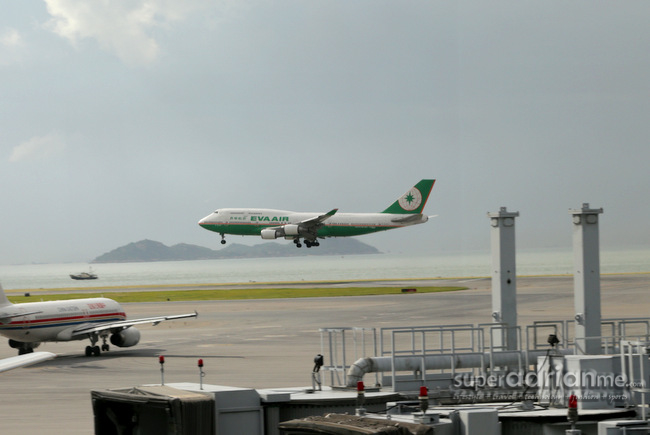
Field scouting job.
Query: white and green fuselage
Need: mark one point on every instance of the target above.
(273, 224)
(251, 222)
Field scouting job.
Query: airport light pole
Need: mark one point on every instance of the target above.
(504, 278)
(586, 279)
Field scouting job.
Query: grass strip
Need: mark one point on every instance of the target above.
(235, 294)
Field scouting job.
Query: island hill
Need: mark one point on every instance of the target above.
(149, 250)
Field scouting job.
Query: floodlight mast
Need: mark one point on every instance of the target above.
(504, 278)
(586, 279)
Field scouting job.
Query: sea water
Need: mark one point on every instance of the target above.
(309, 268)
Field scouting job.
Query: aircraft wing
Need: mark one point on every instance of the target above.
(123, 324)
(319, 219)
(24, 360)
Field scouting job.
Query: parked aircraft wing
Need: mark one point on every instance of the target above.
(123, 324)
(24, 360)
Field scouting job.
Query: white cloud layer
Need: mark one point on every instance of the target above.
(122, 27)
(310, 105)
(10, 38)
(38, 147)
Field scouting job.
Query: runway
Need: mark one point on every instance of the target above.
(265, 343)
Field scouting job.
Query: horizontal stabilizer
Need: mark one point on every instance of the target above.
(8, 316)
(411, 218)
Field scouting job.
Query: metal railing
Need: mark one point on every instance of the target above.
(635, 367)
(344, 346)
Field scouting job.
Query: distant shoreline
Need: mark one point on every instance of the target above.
(306, 269)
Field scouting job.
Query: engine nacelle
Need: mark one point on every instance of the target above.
(126, 338)
(270, 234)
(291, 230)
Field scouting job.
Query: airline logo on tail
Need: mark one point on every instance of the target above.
(411, 200)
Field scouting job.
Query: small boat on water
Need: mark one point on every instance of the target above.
(84, 275)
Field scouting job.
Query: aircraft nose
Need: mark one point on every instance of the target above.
(205, 221)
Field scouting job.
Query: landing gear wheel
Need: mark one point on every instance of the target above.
(308, 244)
(223, 239)
(105, 347)
(96, 351)
(89, 351)
(223, 242)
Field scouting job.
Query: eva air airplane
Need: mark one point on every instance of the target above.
(273, 224)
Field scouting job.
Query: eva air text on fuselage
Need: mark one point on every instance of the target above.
(269, 218)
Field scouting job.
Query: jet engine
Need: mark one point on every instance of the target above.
(126, 338)
(292, 230)
(289, 231)
(270, 234)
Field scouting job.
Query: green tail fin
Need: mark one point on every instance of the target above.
(413, 201)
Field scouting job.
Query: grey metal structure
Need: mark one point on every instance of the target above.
(504, 277)
(586, 279)
(405, 358)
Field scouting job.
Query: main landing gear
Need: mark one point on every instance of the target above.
(308, 243)
(23, 348)
(93, 349)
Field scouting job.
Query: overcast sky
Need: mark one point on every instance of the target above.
(130, 119)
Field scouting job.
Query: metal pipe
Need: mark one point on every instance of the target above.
(435, 362)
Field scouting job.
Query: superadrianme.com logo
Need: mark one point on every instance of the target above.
(597, 385)
(411, 200)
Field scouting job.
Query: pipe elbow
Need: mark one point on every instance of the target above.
(356, 371)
